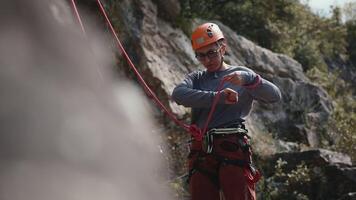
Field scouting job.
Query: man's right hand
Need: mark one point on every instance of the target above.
(231, 96)
(235, 78)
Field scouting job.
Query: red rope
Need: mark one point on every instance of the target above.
(213, 106)
(78, 17)
(142, 81)
(195, 131)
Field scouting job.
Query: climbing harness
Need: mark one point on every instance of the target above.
(211, 147)
(209, 137)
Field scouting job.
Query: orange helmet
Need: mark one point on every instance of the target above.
(206, 34)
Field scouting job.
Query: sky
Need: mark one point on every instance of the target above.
(323, 6)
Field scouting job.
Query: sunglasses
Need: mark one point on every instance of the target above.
(209, 54)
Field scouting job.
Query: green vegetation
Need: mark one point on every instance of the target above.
(286, 184)
(351, 39)
(342, 121)
(283, 26)
(289, 27)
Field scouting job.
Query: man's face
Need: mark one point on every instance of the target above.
(210, 56)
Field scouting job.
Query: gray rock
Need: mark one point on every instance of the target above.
(264, 61)
(163, 55)
(316, 157)
(169, 9)
(331, 174)
(349, 196)
(340, 182)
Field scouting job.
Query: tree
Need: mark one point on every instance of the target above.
(351, 40)
(349, 11)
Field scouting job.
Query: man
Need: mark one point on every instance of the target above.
(220, 165)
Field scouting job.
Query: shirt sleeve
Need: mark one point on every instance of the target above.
(185, 94)
(261, 89)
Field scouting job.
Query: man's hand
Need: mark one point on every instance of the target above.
(234, 78)
(230, 96)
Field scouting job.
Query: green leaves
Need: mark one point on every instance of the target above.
(284, 26)
(351, 40)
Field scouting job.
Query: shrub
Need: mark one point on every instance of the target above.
(286, 185)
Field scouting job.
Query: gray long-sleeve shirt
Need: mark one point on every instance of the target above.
(199, 89)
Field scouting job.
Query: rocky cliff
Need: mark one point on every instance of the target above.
(163, 53)
(293, 129)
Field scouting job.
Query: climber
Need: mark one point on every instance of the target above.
(220, 166)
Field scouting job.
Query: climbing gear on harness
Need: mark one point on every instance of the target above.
(228, 145)
(197, 161)
(219, 132)
(206, 34)
(197, 167)
(233, 128)
(251, 174)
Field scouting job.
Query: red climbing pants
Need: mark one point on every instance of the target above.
(215, 180)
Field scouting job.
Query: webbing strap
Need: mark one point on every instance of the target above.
(227, 131)
(237, 162)
(214, 176)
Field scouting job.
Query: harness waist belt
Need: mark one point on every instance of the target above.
(208, 140)
(227, 131)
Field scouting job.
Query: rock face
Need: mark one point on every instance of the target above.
(169, 9)
(331, 174)
(305, 107)
(163, 54)
(316, 157)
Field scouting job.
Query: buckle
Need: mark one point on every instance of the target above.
(208, 142)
